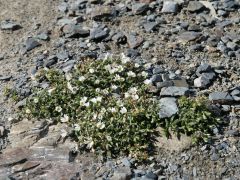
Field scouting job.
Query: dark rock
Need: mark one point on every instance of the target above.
(160, 85)
(170, 7)
(134, 41)
(132, 53)
(31, 43)
(103, 12)
(43, 36)
(214, 157)
(139, 8)
(203, 68)
(151, 176)
(189, 36)
(150, 26)
(75, 31)
(174, 91)
(50, 61)
(168, 107)
(99, 33)
(119, 38)
(8, 25)
(122, 173)
(220, 97)
(195, 6)
(5, 78)
(62, 55)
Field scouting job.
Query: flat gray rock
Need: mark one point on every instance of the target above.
(170, 7)
(174, 91)
(31, 43)
(195, 6)
(168, 107)
(139, 8)
(221, 97)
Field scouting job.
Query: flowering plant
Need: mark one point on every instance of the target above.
(105, 101)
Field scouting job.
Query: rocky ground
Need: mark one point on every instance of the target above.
(194, 49)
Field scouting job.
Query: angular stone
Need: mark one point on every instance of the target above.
(122, 173)
(134, 41)
(220, 97)
(101, 12)
(195, 6)
(75, 31)
(150, 26)
(180, 83)
(119, 38)
(164, 84)
(139, 8)
(174, 91)
(189, 36)
(99, 33)
(170, 7)
(31, 43)
(8, 25)
(201, 82)
(168, 107)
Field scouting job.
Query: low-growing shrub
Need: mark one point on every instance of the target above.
(194, 118)
(107, 103)
(110, 109)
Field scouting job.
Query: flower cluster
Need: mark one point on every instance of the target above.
(105, 101)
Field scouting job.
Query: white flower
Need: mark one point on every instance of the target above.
(112, 110)
(103, 110)
(87, 104)
(109, 138)
(71, 88)
(136, 65)
(68, 76)
(97, 81)
(119, 103)
(51, 90)
(91, 70)
(123, 110)
(132, 90)
(28, 111)
(114, 87)
(147, 82)
(63, 133)
(83, 100)
(93, 100)
(97, 90)
(35, 100)
(99, 98)
(148, 65)
(144, 74)
(126, 95)
(81, 78)
(122, 79)
(135, 97)
(108, 67)
(65, 118)
(105, 91)
(131, 74)
(90, 144)
(94, 117)
(76, 127)
(124, 59)
(100, 125)
(120, 68)
(58, 109)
